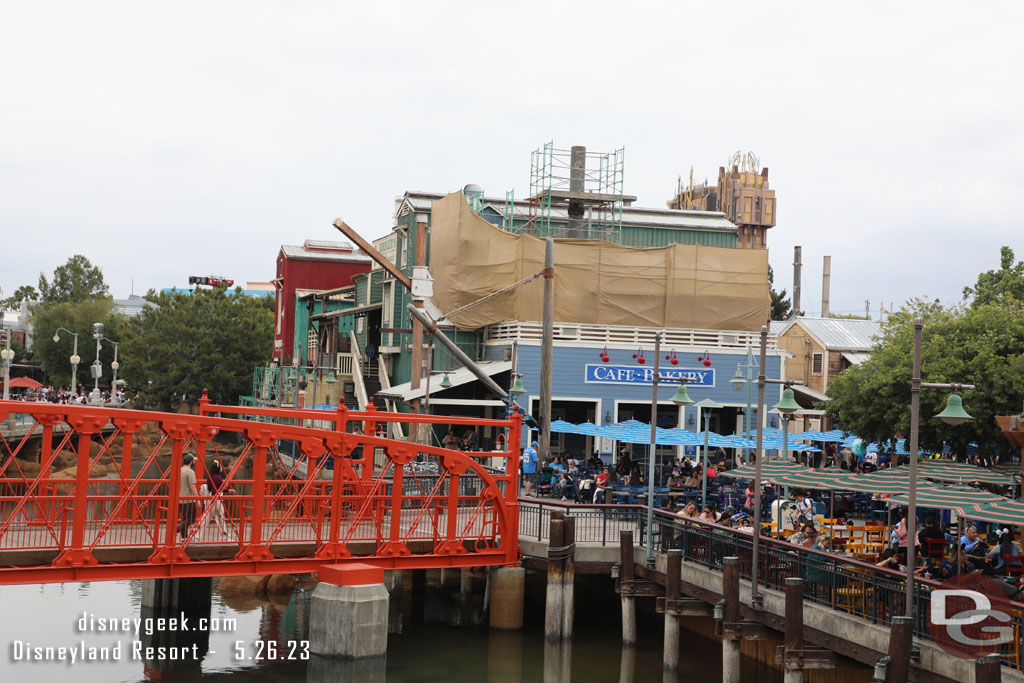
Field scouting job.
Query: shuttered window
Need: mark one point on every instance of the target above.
(816, 363)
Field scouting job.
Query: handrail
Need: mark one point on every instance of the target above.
(389, 403)
(357, 372)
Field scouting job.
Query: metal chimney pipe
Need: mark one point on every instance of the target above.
(826, 277)
(797, 267)
(577, 183)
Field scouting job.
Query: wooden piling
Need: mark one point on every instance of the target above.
(794, 631)
(901, 638)
(553, 603)
(988, 669)
(627, 573)
(673, 566)
(731, 614)
(569, 578)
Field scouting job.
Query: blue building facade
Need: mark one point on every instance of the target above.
(586, 389)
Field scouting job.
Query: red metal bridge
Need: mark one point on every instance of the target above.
(114, 509)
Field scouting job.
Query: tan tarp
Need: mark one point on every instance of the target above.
(596, 282)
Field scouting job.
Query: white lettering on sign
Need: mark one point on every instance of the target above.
(624, 374)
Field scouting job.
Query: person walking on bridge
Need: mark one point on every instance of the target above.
(187, 490)
(529, 466)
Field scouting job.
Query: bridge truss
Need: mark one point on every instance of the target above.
(113, 511)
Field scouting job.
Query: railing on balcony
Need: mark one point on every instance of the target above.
(622, 334)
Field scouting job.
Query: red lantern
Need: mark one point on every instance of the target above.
(639, 355)
(672, 358)
(604, 355)
(705, 358)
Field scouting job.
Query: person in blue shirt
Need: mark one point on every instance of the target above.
(529, 466)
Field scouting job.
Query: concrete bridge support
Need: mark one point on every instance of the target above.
(349, 612)
(186, 599)
(508, 588)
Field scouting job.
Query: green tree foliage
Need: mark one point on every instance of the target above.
(981, 345)
(1003, 285)
(184, 343)
(781, 305)
(75, 281)
(23, 293)
(77, 317)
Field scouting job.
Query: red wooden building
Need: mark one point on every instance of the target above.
(314, 265)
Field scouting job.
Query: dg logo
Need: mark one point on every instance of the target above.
(970, 616)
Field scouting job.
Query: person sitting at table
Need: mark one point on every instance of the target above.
(931, 529)
(1005, 546)
(690, 511)
(604, 481)
(595, 461)
(889, 559)
(709, 514)
(693, 479)
(807, 531)
(748, 501)
(675, 483)
(823, 543)
(561, 485)
(971, 543)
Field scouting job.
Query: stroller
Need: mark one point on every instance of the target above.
(580, 488)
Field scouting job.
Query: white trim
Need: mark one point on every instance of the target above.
(466, 402)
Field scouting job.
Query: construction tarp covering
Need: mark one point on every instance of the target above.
(596, 282)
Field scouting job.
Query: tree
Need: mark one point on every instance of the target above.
(75, 281)
(77, 317)
(1005, 284)
(981, 345)
(186, 342)
(781, 305)
(23, 293)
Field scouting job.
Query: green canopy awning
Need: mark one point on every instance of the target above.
(964, 499)
(1004, 512)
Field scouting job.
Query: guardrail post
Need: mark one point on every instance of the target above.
(627, 572)
(794, 627)
(569, 577)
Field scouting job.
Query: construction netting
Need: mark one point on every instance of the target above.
(596, 282)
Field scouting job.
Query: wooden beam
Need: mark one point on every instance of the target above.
(372, 252)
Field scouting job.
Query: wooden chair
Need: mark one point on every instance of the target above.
(1014, 564)
(855, 594)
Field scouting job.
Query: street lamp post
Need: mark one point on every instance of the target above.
(680, 399)
(953, 414)
(755, 595)
(74, 357)
(7, 356)
(744, 378)
(705, 406)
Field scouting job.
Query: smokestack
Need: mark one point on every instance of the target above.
(577, 175)
(797, 267)
(826, 276)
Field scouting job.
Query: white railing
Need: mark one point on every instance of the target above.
(357, 373)
(626, 336)
(344, 364)
(385, 384)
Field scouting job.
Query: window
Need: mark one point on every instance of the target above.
(816, 363)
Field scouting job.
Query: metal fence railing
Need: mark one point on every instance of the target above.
(861, 589)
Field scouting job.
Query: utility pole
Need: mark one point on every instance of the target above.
(417, 326)
(867, 309)
(546, 350)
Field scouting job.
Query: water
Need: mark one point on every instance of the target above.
(433, 636)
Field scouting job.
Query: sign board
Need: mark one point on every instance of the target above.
(632, 374)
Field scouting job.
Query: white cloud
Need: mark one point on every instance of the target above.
(164, 139)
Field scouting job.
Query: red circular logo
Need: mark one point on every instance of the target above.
(970, 616)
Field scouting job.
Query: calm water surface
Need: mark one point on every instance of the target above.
(434, 635)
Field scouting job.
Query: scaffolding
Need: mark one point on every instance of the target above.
(573, 193)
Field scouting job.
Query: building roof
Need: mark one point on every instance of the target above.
(631, 215)
(315, 250)
(459, 376)
(840, 333)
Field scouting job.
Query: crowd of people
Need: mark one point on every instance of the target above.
(64, 395)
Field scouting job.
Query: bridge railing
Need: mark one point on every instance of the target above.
(102, 496)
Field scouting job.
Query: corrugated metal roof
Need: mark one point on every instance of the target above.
(841, 333)
(856, 358)
(631, 215)
(293, 251)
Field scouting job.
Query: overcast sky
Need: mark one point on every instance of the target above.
(165, 139)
